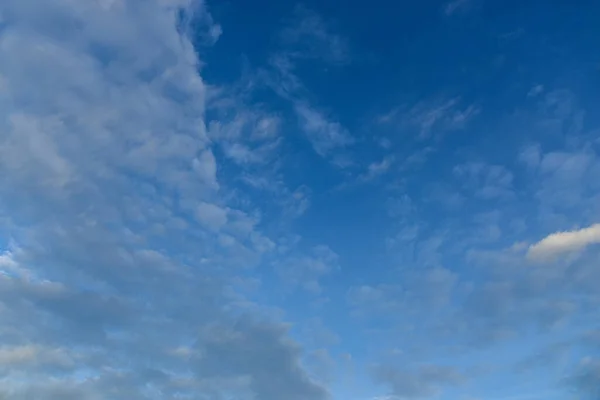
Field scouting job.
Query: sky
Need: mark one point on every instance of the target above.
(325, 200)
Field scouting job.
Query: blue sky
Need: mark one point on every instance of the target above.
(234, 200)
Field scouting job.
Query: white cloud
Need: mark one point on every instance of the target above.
(564, 242)
(445, 115)
(431, 116)
(7, 261)
(324, 134)
(32, 355)
(535, 91)
(484, 180)
(267, 127)
(104, 152)
(305, 271)
(461, 117)
(531, 156)
(376, 169)
(307, 36)
(211, 215)
(205, 166)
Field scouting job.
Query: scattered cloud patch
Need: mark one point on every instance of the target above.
(324, 134)
(306, 271)
(564, 242)
(211, 215)
(422, 382)
(486, 181)
(309, 36)
(132, 234)
(377, 169)
(535, 91)
(457, 6)
(431, 118)
(585, 381)
(164, 232)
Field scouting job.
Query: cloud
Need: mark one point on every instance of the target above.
(309, 36)
(585, 381)
(562, 179)
(531, 156)
(456, 6)
(127, 232)
(32, 356)
(420, 293)
(486, 181)
(324, 134)
(257, 353)
(211, 215)
(431, 117)
(427, 117)
(249, 137)
(421, 382)
(564, 242)
(376, 169)
(146, 217)
(250, 141)
(328, 137)
(205, 165)
(535, 91)
(305, 271)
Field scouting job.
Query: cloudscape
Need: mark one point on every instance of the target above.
(317, 200)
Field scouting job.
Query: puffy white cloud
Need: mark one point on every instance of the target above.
(564, 242)
(109, 187)
(205, 166)
(211, 215)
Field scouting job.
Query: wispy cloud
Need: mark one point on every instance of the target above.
(168, 229)
(324, 134)
(376, 169)
(431, 117)
(305, 271)
(485, 181)
(457, 6)
(309, 36)
(423, 381)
